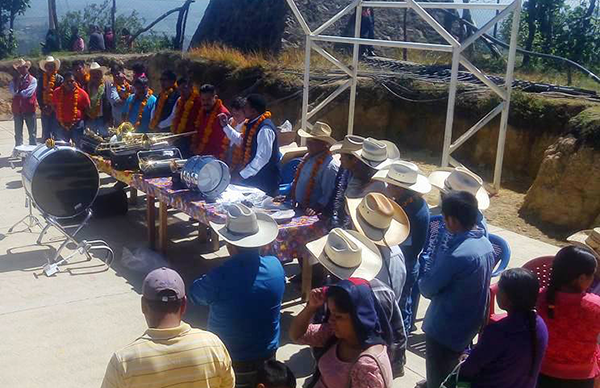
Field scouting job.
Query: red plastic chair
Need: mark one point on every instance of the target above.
(541, 266)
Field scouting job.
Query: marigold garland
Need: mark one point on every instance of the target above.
(313, 176)
(208, 128)
(96, 103)
(86, 81)
(59, 109)
(123, 90)
(183, 112)
(162, 100)
(49, 83)
(239, 162)
(143, 104)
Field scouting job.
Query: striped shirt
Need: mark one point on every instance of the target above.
(175, 357)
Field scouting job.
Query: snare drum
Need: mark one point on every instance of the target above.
(24, 151)
(206, 174)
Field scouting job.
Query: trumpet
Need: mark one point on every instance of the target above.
(137, 141)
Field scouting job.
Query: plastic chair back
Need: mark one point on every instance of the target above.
(542, 267)
(288, 172)
(501, 254)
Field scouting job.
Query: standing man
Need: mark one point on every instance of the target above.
(210, 139)
(23, 90)
(139, 106)
(81, 75)
(50, 81)
(186, 109)
(458, 285)
(118, 92)
(255, 160)
(98, 114)
(164, 110)
(245, 293)
(170, 352)
(70, 103)
(407, 185)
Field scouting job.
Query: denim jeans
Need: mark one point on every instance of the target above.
(31, 121)
(439, 361)
(408, 300)
(75, 133)
(49, 125)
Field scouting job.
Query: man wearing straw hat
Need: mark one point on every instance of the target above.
(315, 177)
(590, 239)
(245, 293)
(23, 89)
(98, 114)
(407, 185)
(50, 81)
(347, 254)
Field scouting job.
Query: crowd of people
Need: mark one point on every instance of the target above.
(371, 269)
(99, 40)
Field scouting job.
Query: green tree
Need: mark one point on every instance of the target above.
(9, 10)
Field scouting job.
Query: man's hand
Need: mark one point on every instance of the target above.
(310, 212)
(317, 298)
(279, 199)
(223, 119)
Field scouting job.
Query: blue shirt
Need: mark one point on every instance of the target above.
(132, 115)
(457, 285)
(244, 295)
(418, 215)
(322, 191)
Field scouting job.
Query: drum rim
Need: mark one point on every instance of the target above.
(224, 168)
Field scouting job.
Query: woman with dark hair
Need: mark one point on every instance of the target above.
(509, 352)
(353, 352)
(573, 319)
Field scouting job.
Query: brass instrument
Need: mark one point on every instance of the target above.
(130, 141)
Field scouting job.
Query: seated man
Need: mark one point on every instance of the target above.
(457, 285)
(186, 109)
(170, 353)
(70, 102)
(162, 116)
(210, 139)
(315, 176)
(256, 157)
(245, 293)
(139, 106)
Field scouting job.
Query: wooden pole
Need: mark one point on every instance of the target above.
(113, 16)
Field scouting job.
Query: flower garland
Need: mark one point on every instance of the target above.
(208, 128)
(239, 161)
(183, 112)
(86, 81)
(123, 90)
(49, 83)
(96, 103)
(162, 100)
(313, 176)
(143, 104)
(59, 109)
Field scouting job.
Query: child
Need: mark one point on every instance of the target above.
(573, 319)
(275, 374)
(509, 352)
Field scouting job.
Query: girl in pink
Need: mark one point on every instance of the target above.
(353, 353)
(573, 319)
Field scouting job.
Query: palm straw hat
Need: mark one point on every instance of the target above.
(347, 253)
(50, 59)
(460, 179)
(20, 63)
(349, 144)
(246, 229)
(379, 218)
(378, 154)
(405, 174)
(320, 131)
(589, 239)
(94, 66)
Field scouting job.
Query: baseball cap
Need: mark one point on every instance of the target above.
(163, 279)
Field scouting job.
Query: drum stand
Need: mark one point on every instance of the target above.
(84, 247)
(30, 220)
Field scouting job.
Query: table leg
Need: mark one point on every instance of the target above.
(163, 238)
(151, 221)
(307, 272)
(133, 196)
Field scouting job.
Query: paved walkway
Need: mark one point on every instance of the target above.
(61, 331)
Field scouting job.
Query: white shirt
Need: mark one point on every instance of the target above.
(393, 270)
(166, 123)
(264, 148)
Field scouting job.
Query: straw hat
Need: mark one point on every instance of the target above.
(378, 154)
(20, 63)
(349, 144)
(379, 218)
(404, 174)
(246, 229)
(94, 66)
(320, 131)
(589, 238)
(346, 253)
(460, 179)
(50, 59)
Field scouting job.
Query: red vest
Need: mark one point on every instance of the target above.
(24, 105)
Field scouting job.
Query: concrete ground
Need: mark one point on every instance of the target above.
(61, 331)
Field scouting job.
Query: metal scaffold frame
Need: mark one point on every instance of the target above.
(313, 38)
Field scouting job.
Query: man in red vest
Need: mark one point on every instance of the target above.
(210, 139)
(23, 90)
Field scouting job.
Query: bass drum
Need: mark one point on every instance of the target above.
(206, 174)
(62, 181)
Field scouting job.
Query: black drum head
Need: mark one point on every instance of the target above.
(65, 183)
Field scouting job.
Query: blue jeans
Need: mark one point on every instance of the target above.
(49, 125)
(408, 300)
(31, 121)
(439, 362)
(75, 133)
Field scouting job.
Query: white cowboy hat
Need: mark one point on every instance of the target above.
(94, 66)
(589, 238)
(404, 174)
(246, 229)
(319, 131)
(460, 179)
(378, 154)
(20, 63)
(346, 254)
(50, 59)
(379, 218)
(349, 144)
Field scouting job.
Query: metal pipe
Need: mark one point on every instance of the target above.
(299, 17)
(433, 23)
(505, 12)
(336, 17)
(450, 109)
(331, 59)
(482, 77)
(475, 128)
(306, 86)
(329, 98)
(354, 79)
(384, 43)
(434, 5)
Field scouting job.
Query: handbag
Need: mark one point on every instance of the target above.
(453, 379)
